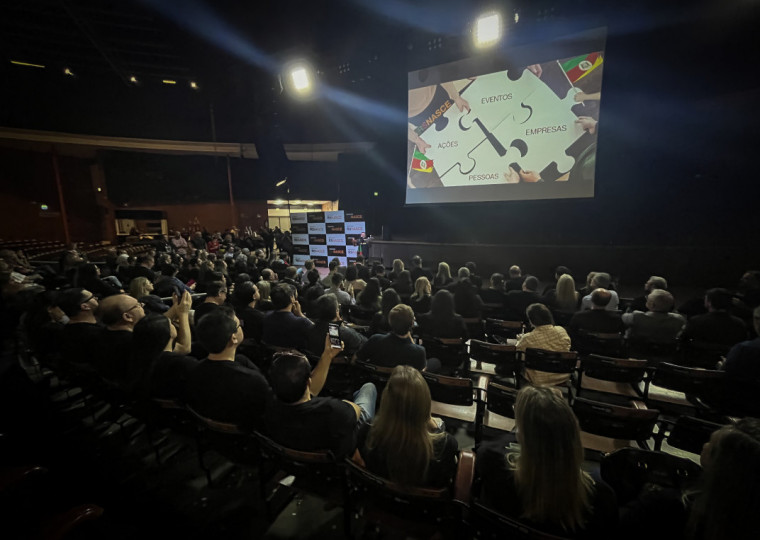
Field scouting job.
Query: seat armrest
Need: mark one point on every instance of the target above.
(636, 404)
(464, 476)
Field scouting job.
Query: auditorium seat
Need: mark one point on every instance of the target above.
(497, 412)
(617, 380)
(605, 427)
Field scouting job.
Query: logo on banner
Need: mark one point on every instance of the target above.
(320, 262)
(355, 227)
(300, 239)
(335, 228)
(334, 217)
(300, 250)
(298, 218)
(318, 251)
(336, 251)
(336, 239)
(317, 228)
(299, 228)
(352, 251)
(316, 217)
(354, 217)
(317, 239)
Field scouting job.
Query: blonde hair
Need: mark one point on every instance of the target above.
(443, 271)
(567, 296)
(265, 289)
(422, 287)
(398, 266)
(401, 427)
(548, 476)
(138, 287)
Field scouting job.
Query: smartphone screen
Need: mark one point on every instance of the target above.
(334, 331)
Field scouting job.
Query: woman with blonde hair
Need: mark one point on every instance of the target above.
(420, 300)
(265, 289)
(543, 483)
(443, 276)
(398, 267)
(404, 443)
(564, 297)
(140, 287)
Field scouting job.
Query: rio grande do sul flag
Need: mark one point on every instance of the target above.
(421, 163)
(580, 66)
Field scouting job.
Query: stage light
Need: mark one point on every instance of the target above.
(487, 30)
(517, 17)
(301, 80)
(27, 64)
(169, 81)
(43, 207)
(281, 182)
(100, 189)
(376, 194)
(67, 71)
(193, 85)
(279, 202)
(133, 79)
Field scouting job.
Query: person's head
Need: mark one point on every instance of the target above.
(442, 305)
(660, 301)
(77, 302)
(443, 270)
(417, 261)
(560, 271)
(169, 270)
(351, 273)
(291, 272)
(88, 272)
(463, 273)
(422, 287)
(497, 281)
(265, 289)
(308, 265)
(283, 296)
(312, 276)
(267, 274)
(601, 279)
(153, 334)
(404, 415)
(245, 293)
(398, 266)
(120, 311)
(472, 267)
(146, 260)
(565, 292)
(515, 272)
(326, 308)
(718, 299)
(655, 282)
(530, 284)
(369, 296)
(216, 292)
(750, 280)
(401, 319)
(388, 300)
(337, 280)
(290, 376)
(405, 278)
(220, 330)
(600, 298)
(729, 497)
(552, 486)
(539, 315)
(590, 280)
(334, 265)
(379, 269)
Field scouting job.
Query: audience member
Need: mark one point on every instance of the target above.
(743, 360)
(388, 300)
(558, 273)
(144, 267)
(397, 346)
(495, 293)
(601, 280)
(542, 483)
(420, 300)
(654, 282)
(516, 279)
(336, 288)
(398, 267)
(245, 299)
(717, 325)
(545, 335)
(82, 330)
(417, 271)
(327, 310)
(286, 326)
(475, 279)
(333, 266)
(404, 443)
(88, 277)
(516, 302)
(597, 320)
(442, 277)
(265, 290)
(216, 295)
(563, 296)
(658, 324)
(354, 284)
(301, 420)
(113, 350)
(442, 321)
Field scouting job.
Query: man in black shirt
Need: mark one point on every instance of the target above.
(144, 268)
(597, 320)
(396, 347)
(226, 387)
(417, 270)
(82, 331)
(216, 295)
(326, 310)
(717, 325)
(286, 326)
(300, 420)
(517, 302)
(113, 351)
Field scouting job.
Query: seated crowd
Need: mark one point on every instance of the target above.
(254, 351)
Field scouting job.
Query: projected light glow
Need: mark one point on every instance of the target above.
(300, 78)
(488, 30)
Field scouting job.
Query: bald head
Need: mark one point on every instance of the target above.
(600, 298)
(660, 301)
(120, 312)
(515, 272)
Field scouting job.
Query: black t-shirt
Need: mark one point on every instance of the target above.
(441, 469)
(389, 350)
(454, 327)
(253, 322)
(499, 491)
(234, 392)
(78, 341)
(113, 356)
(168, 375)
(322, 423)
(284, 329)
(204, 309)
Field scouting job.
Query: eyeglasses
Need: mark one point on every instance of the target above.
(138, 304)
(88, 299)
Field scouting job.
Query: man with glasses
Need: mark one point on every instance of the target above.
(225, 386)
(216, 295)
(81, 331)
(113, 351)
